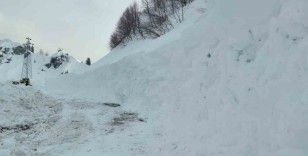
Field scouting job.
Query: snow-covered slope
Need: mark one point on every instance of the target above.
(6, 43)
(11, 65)
(225, 82)
(6, 50)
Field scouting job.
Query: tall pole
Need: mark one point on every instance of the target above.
(27, 64)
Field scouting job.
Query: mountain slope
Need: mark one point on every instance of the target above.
(225, 82)
(11, 64)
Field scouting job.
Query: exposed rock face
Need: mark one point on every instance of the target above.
(8, 46)
(57, 60)
(19, 50)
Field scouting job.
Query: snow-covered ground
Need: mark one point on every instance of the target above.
(11, 65)
(231, 80)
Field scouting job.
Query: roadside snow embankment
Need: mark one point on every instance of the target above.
(224, 82)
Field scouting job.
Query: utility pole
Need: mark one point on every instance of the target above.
(27, 64)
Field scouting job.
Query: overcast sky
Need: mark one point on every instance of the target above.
(81, 27)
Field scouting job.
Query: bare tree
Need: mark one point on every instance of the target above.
(151, 22)
(127, 26)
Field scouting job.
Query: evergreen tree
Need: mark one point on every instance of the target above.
(88, 61)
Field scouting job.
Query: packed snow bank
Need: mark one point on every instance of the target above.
(254, 12)
(225, 82)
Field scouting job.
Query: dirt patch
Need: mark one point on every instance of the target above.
(16, 128)
(112, 104)
(126, 117)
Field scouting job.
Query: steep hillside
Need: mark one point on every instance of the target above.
(225, 82)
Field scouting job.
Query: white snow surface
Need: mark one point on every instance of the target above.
(231, 80)
(12, 71)
(6, 43)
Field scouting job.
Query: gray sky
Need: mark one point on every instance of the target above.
(81, 27)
